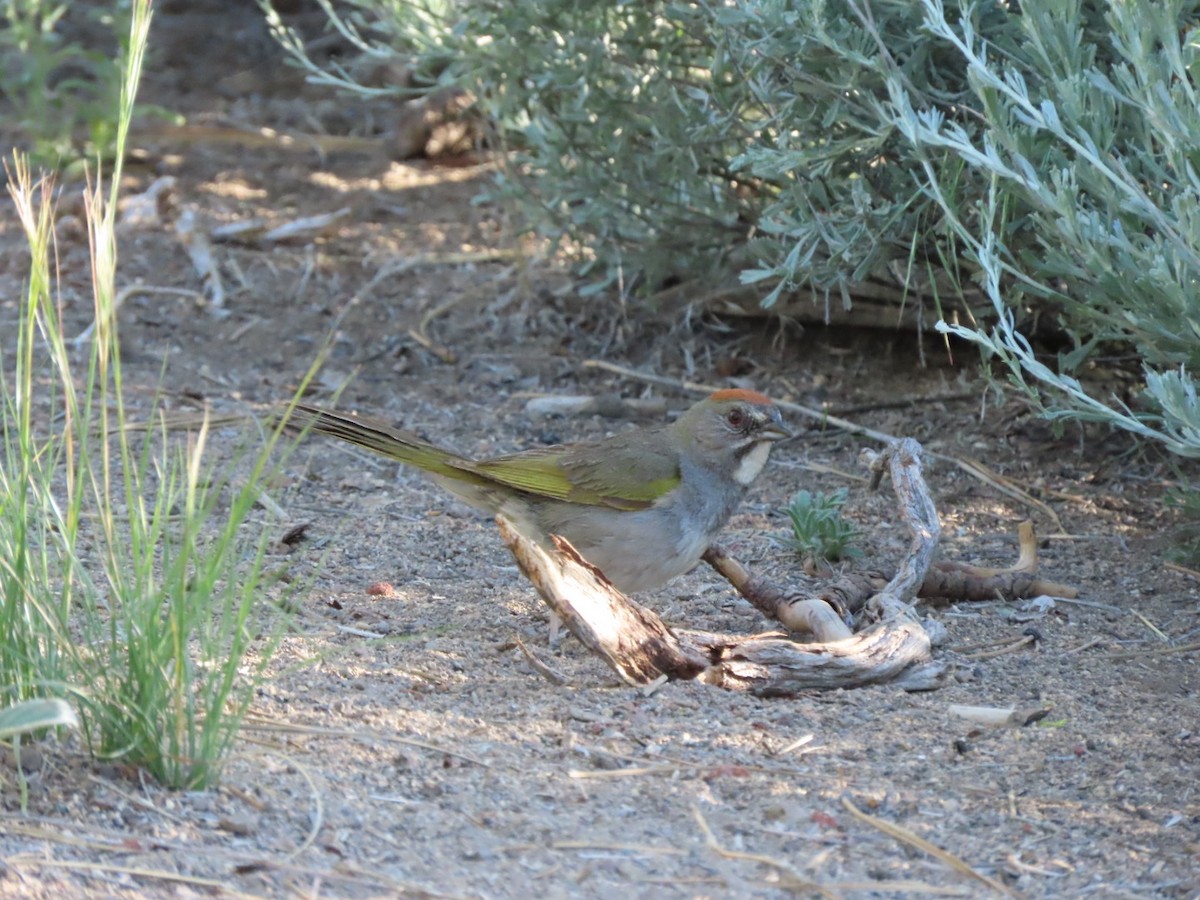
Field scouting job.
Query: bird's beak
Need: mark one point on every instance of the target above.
(774, 429)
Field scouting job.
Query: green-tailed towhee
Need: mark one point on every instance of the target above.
(642, 506)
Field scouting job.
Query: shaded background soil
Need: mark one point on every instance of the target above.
(404, 745)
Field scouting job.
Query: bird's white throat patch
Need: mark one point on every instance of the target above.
(752, 463)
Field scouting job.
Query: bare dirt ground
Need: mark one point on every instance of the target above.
(405, 746)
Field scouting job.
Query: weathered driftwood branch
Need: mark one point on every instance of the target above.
(640, 647)
(823, 609)
(893, 647)
(823, 616)
(632, 639)
(774, 666)
(960, 581)
(903, 459)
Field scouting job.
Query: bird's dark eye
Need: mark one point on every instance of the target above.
(736, 418)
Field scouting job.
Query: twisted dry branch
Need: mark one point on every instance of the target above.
(892, 645)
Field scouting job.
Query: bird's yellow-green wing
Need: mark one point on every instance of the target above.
(622, 472)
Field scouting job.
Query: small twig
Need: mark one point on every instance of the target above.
(420, 334)
(668, 765)
(246, 797)
(551, 675)
(258, 723)
(221, 135)
(628, 772)
(697, 293)
(795, 611)
(317, 819)
(1183, 570)
(1085, 646)
(795, 745)
(241, 330)
(1157, 632)
(98, 840)
(204, 262)
(1090, 604)
(219, 886)
(907, 837)
(1158, 651)
(961, 581)
(1003, 651)
(1000, 716)
(650, 688)
(901, 886)
(116, 841)
(305, 228)
(135, 800)
(976, 648)
(907, 402)
(799, 881)
(1015, 861)
(187, 421)
(360, 632)
(624, 848)
(132, 290)
(696, 387)
(1003, 485)
(442, 352)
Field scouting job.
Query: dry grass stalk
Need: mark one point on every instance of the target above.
(907, 837)
(795, 880)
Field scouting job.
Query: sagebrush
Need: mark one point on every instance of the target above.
(1019, 164)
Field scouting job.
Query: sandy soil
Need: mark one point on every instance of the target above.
(404, 745)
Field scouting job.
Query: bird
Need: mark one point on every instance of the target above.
(642, 506)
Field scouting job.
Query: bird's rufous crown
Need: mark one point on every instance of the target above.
(740, 394)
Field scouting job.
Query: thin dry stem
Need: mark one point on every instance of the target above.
(907, 837)
(798, 881)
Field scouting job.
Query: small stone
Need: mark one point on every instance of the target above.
(240, 827)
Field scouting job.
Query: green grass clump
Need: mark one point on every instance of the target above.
(132, 579)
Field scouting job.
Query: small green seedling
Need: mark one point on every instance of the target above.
(818, 530)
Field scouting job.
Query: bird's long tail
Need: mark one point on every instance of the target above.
(391, 442)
